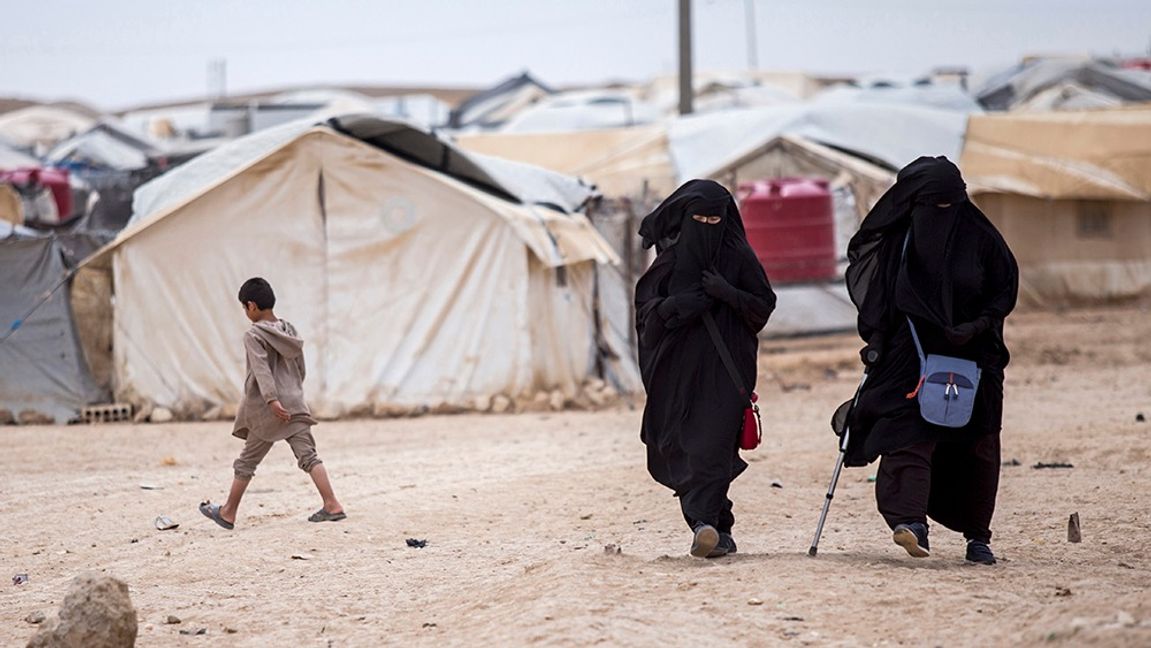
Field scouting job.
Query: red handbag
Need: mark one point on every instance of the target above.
(752, 434)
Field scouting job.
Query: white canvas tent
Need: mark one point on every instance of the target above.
(418, 280)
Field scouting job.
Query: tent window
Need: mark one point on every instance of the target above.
(1094, 219)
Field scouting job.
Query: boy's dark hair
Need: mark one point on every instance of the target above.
(258, 291)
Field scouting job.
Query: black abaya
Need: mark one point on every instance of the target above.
(693, 415)
(926, 253)
(957, 276)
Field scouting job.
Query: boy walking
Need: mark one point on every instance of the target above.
(273, 407)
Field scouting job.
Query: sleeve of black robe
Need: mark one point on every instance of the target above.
(1000, 280)
(755, 300)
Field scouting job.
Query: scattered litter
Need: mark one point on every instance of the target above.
(1126, 566)
(585, 516)
(871, 479)
(168, 461)
(230, 630)
(35, 618)
(301, 556)
(429, 625)
(172, 619)
(165, 523)
(134, 541)
(612, 549)
(775, 483)
(197, 631)
(1013, 462)
(754, 601)
(1073, 532)
(150, 487)
(19, 579)
(416, 544)
(1062, 591)
(1053, 464)
(1139, 418)
(793, 618)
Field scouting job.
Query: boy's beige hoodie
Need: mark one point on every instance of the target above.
(275, 359)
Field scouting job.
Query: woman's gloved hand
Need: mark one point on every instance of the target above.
(685, 305)
(961, 334)
(715, 285)
(872, 353)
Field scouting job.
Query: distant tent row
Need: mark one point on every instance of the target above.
(421, 277)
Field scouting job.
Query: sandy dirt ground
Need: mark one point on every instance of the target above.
(517, 510)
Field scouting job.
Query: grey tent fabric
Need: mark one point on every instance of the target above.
(514, 182)
(43, 372)
(485, 109)
(1020, 84)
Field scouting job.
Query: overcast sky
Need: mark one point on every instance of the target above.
(114, 53)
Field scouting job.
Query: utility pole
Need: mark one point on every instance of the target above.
(217, 78)
(752, 44)
(686, 91)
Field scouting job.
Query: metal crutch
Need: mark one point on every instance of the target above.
(838, 468)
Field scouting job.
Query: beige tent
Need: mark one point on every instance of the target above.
(620, 161)
(414, 288)
(1071, 192)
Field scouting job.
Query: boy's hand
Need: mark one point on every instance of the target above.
(279, 411)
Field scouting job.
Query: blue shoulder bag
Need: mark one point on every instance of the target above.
(947, 385)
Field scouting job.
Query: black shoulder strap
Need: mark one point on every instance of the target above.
(724, 354)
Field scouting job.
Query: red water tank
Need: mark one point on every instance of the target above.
(791, 226)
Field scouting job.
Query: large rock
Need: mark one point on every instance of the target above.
(96, 613)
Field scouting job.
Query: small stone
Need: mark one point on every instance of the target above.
(775, 483)
(612, 549)
(501, 404)
(194, 632)
(172, 619)
(482, 403)
(754, 601)
(1139, 418)
(793, 618)
(19, 579)
(1074, 534)
(161, 415)
(301, 556)
(1124, 618)
(1062, 591)
(429, 625)
(415, 543)
(97, 611)
(585, 516)
(169, 461)
(230, 630)
(35, 618)
(557, 400)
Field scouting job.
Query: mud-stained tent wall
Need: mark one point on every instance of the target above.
(414, 289)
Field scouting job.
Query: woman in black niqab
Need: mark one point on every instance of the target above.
(925, 252)
(694, 412)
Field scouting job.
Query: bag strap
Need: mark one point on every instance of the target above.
(724, 354)
(914, 333)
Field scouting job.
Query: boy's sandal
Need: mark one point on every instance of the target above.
(323, 516)
(212, 512)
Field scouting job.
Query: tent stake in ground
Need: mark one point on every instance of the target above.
(835, 474)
